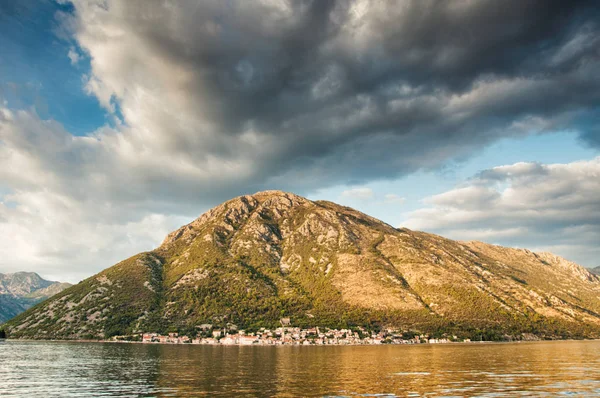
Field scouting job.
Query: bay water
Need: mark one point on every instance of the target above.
(74, 369)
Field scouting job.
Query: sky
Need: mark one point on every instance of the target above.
(121, 120)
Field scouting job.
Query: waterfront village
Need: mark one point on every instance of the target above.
(288, 335)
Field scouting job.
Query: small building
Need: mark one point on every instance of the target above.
(285, 321)
(229, 339)
(148, 337)
(247, 340)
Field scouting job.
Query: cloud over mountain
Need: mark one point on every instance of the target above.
(522, 205)
(344, 91)
(213, 99)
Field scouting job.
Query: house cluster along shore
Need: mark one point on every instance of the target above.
(287, 335)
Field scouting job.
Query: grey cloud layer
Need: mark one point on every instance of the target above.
(344, 91)
(550, 207)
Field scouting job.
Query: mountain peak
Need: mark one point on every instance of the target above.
(22, 283)
(275, 192)
(21, 274)
(229, 215)
(21, 290)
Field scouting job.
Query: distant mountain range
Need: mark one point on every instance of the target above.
(259, 258)
(22, 290)
(596, 270)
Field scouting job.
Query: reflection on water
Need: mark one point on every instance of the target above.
(48, 369)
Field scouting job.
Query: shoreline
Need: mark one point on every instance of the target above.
(298, 345)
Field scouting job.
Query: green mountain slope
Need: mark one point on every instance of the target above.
(23, 290)
(255, 259)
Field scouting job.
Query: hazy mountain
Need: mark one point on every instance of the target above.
(22, 290)
(595, 270)
(255, 259)
(22, 283)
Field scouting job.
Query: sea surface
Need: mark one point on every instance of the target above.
(58, 369)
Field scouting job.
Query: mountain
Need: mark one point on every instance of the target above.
(22, 283)
(22, 290)
(257, 258)
(595, 270)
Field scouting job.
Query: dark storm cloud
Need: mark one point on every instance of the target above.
(416, 77)
(258, 70)
(299, 95)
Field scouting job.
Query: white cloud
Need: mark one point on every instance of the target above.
(361, 193)
(64, 239)
(551, 207)
(71, 207)
(74, 56)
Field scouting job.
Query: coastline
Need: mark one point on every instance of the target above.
(453, 343)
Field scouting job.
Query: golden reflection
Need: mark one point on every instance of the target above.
(452, 369)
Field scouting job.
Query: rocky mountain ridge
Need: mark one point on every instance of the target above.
(22, 283)
(257, 258)
(22, 290)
